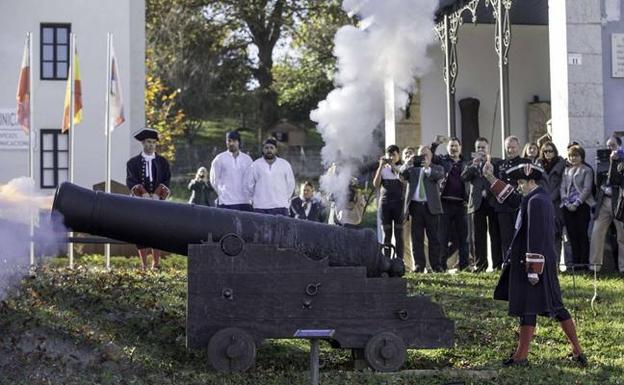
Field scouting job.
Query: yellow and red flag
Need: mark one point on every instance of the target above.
(77, 95)
(23, 90)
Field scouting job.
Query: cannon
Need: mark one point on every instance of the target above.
(253, 277)
(172, 227)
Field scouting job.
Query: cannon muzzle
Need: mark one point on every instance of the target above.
(173, 226)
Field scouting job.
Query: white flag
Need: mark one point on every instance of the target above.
(116, 111)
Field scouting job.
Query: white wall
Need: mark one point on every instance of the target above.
(90, 21)
(478, 78)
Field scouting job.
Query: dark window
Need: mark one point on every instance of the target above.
(54, 158)
(54, 51)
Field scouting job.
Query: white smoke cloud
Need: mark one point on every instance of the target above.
(390, 42)
(18, 201)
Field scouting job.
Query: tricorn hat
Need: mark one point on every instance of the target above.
(525, 170)
(145, 133)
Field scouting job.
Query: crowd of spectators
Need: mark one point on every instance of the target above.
(431, 206)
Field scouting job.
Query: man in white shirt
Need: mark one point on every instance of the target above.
(270, 181)
(227, 175)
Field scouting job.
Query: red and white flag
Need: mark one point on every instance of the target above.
(23, 91)
(116, 111)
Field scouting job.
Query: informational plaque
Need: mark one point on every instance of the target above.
(617, 55)
(12, 137)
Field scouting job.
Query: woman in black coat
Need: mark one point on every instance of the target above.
(529, 291)
(554, 167)
(200, 188)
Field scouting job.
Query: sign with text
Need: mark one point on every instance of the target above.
(617, 55)
(12, 137)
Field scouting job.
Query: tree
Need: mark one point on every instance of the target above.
(200, 55)
(162, 114)
(220, 54)
(305, 78)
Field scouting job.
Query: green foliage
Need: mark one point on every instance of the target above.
(198, 53)
(220, 55)
(162, 114)
(142, 315)
(305, 77)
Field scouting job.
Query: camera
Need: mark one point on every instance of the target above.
(477, 155)
(417, 160)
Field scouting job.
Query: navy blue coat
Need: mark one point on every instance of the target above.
(535, 234)
(135, 173)
(296, 210)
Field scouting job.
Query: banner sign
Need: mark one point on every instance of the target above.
(12, 137)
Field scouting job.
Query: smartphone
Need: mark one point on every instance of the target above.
(442, 139)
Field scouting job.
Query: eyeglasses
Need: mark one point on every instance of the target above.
(548, 151)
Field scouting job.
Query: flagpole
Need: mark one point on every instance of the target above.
(107, 185)
(72, 50)
(31, 148)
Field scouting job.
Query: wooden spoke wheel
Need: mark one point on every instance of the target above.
(231, 350)
(385, 352)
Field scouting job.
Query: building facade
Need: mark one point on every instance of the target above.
(567, 53)
(51, 22)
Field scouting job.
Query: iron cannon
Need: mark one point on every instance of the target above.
(173, 226)
(253, 277)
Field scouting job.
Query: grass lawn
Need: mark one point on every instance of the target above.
(89, 326)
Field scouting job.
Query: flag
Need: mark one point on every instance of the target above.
(116, 111)
(23, 90)
(77, 95)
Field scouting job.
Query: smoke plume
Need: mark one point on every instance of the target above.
(18, 202)
(390, 42)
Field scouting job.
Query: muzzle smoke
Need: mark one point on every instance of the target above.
(390, 42)
(19, 201)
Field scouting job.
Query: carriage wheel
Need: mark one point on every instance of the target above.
(231, 350)
(385, 352)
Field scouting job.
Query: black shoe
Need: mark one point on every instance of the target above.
(511, 362)
(580, 360)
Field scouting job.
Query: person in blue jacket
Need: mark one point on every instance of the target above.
(529, 278)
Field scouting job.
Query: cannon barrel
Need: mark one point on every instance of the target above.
(173, 226)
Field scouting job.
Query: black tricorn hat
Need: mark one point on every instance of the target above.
(525, 170)
(145, 133)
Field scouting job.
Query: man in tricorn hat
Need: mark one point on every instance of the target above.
(148, 176)
(529, 277)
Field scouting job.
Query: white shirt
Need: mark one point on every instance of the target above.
(425, 173)
(148, 167)
(270, 185)
(227, 177)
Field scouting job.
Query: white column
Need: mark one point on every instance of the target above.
(576, 74)
(390, 123)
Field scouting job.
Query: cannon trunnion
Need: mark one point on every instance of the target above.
(235, 300)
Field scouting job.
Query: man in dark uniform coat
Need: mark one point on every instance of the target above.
(506, 213)
(305, 206)
(148, 176)
(530, 290)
